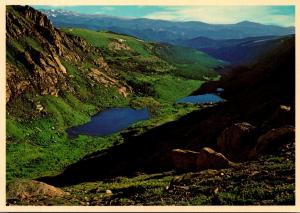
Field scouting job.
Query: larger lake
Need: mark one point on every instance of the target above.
(110, 121)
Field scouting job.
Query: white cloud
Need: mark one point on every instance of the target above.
(224, 15)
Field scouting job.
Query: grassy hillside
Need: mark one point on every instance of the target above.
(189, 63)
(102, 39)
(37, 144)
(152, 69)
(185, 62)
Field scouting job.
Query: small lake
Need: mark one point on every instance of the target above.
(201, 99)
(219, 90)
(110, 121)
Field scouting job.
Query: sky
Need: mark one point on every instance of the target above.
(275, 15)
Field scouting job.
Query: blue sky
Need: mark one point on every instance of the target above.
(277, 15)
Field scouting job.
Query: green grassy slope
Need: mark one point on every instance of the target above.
(37, 143)
(189, 63)
(102, 39)
(185, 62)
(164, 71)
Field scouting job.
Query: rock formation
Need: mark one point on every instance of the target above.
(235, 141)
(40, 50)
(206, 158)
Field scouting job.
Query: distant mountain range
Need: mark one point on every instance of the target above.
(235, 51)
(201, 42)
(164, 31)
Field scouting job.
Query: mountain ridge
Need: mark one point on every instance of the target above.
(235, 51)
(148, 29)
(52, 11)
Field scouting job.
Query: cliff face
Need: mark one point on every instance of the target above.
(35, 50)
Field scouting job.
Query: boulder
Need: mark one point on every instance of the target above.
(62, 68)
(123, 91)
(236, 141)
(184, 160)
(206, 158)
(283, 115)
(31, 189)
(118, 46)
(272, 140)
(39, 107)
(210, 159)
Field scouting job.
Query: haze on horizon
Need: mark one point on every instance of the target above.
(273, 15)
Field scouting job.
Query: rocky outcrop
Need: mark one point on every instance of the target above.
(236, 141)
(100, 77)
(37, 50)
(206, 158)
(184, 160)
(118, 45)
(210, 159)
(273, 140)
(31, 189)
(123, 91)
(283, 115)
(239, 142)
(102, 64)
(47, 75)
(17, 82)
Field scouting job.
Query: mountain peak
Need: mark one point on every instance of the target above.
(247, 23)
